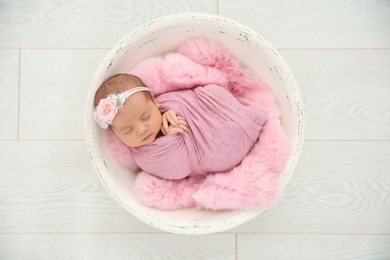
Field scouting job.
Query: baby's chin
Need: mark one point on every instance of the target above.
(150, 140)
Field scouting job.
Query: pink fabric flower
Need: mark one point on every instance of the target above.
(106, 111)
(107, 108)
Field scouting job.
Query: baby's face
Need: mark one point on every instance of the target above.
(140, 121)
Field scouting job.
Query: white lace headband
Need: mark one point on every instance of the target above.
(108, 107)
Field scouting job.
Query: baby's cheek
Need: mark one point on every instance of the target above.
(126, 140)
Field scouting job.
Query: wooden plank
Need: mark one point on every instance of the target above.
(338, 187)
(9, 82)
(315, 24)
(350, 102)
(83, 24)
(51, 187)
(346, 93)
(116, 246)
(53, 92)
(278, 247)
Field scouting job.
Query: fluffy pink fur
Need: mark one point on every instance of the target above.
(252, 184)
(176, 72)
(164, 194)
(121, 152)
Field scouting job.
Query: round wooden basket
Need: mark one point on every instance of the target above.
(162, 36)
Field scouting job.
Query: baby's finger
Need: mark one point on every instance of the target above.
(182, 121)
(165, 126)
(172, 118)
(163, 130)
(177, 130)
(183, 127)
(180, 118)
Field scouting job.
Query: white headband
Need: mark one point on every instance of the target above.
(108, 107)
(125, 95)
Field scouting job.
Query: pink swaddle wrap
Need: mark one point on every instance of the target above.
(253, 183)
(222, 132)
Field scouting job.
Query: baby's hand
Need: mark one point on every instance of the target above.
(180, 129)
(173, 124)
(169, 117)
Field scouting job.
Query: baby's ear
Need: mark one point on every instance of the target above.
(157, 104)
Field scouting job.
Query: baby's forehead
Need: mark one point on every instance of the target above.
(138, 102)
(134, 107)
(139, 96)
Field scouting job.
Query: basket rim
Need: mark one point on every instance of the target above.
(198, 226)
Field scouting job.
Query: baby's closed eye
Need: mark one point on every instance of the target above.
(145, 117)
(129, 130)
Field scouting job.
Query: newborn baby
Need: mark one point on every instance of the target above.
(181, 133)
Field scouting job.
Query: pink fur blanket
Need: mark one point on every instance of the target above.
(221, 133)
(252, 184)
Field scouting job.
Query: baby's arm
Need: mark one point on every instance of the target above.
(173, 123)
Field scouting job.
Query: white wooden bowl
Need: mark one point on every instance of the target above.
(159, 37)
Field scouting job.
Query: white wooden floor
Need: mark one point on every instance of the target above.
(337, 205)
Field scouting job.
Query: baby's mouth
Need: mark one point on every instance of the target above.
(147, 137)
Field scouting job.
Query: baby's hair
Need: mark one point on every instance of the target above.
(117, 84)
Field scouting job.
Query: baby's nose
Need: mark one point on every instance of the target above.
(142, 129)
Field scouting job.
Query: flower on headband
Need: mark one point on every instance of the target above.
(106, 110)
(108, 107)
